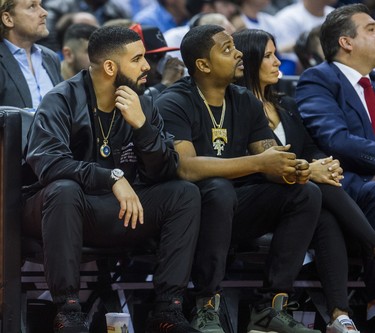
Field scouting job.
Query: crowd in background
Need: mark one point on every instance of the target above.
(288, 20)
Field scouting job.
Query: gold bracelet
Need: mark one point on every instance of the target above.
(288, 182)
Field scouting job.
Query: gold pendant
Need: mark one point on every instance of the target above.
(219, 133)
(105, 150)
(219, 139)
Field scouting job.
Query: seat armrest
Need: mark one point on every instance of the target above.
(10, 218)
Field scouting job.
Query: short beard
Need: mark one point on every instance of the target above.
(123, 80)
(237, 77)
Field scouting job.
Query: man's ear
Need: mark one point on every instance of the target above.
(67, 54)
(203, 65)
(110, 68)
(345, 43)
(7, 19)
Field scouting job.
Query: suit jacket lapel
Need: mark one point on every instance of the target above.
(48, 64)
(15, 74)
(355, 103)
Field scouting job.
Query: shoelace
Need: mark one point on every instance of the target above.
(72, 318)
(205, 315)
(292, 306)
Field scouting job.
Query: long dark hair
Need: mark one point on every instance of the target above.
(252, 43)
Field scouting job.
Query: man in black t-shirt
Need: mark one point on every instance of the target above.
(226, 148)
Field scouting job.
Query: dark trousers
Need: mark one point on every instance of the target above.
(66, 219)
(366, 200)
(340, 219)
(290, 212)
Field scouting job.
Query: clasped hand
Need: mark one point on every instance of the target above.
(279, 162)
(326, 170)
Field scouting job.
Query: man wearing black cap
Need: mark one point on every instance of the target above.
(164, 69)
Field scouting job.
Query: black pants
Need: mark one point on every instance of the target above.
(290, 212)
(366, 200)
(66, 218)
(340, 219)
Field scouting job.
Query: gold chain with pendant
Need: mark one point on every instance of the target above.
(105, 150)
(219, 134)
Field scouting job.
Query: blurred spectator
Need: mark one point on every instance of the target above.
(164, 70)
(276, 5)
(297, 18)
(27, 70)
(252, 16)
(74, 50)
(371, 6)
(69, 19)
(175, 36)
(229, 8)
(218, 19)
(132, 7)
(308, 48)
(102, 10)
(126, 23)
(196, 8)
(164, 14)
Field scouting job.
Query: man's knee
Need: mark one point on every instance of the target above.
(218, 192)
(308, 192)
(181, 191)
(63, 189)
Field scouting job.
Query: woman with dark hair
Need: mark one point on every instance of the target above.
(340, 215)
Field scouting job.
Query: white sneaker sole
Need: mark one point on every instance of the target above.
(334, 330)
(256, 331)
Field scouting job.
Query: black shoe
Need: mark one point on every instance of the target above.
(70, 322)
(170, 319)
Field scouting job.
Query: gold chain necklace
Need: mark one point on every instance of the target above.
(105, 150)
(219, 134)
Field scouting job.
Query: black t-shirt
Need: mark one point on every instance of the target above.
(187, 118)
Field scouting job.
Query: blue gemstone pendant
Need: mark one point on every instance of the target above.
(105, 150)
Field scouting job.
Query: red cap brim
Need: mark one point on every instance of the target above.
(163, 49)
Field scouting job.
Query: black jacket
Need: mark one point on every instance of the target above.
(295, 131)
(62, 141)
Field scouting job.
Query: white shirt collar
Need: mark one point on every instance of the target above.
(351, 74)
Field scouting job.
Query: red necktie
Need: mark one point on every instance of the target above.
(365, 83)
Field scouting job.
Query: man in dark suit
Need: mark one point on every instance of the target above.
(27, 70)
(333, 105)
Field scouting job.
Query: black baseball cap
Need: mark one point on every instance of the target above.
(152, 38)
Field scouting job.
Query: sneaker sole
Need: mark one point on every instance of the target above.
(256, 331)
(333, 330)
